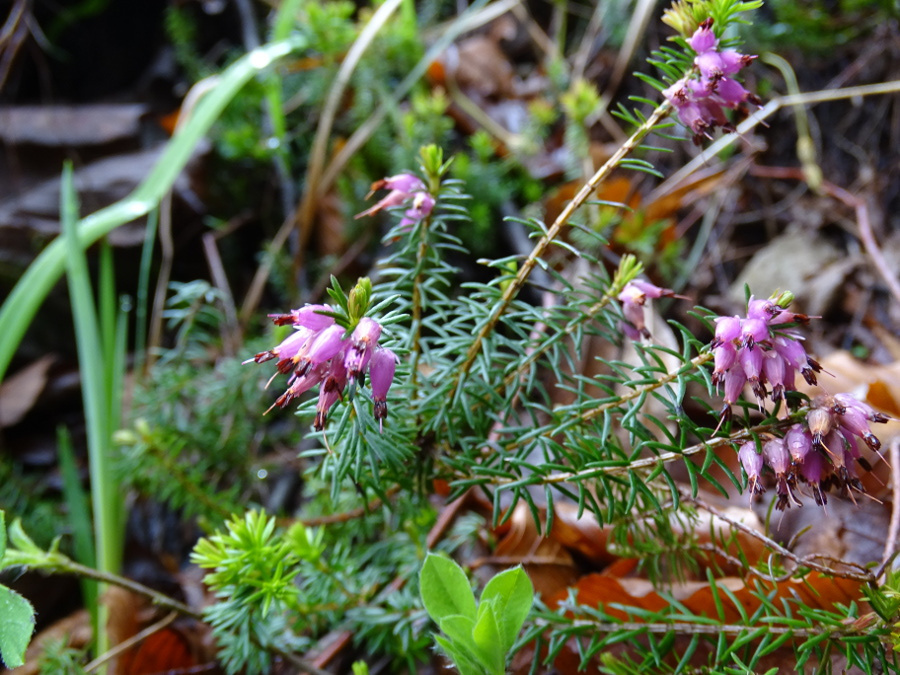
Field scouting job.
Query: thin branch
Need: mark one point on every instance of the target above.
(515, 286)
(698, 360)
(702, 160)
(542, 349)
(417, 301)
(699, 628)
(131, 642)
(801, 561)
(863, 221)
(61, 564)
(637, 392)
(640, 464)
(314, 185)
(890, 546)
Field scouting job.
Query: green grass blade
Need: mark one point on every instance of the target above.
(26, 297)
(93, 386)
(79, 517)
(141, 301)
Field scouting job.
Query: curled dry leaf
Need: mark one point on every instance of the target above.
(549, 565)
(19, 393)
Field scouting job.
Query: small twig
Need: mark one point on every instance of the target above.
(352, 514)
(863, 221)
(314, 186)
(535, 353)
(805, 561)
(637, 392)
(417, 300)
(702, 160)
(866, 235)
(231, 338)
(737, 562)
(12, 36)
(697, 628)
(640, 464)
(166, 241)
(515, 286)
(131, 642)
(258, 284)
(62, 564)
(890, 546)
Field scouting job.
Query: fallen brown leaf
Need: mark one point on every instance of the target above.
(20, 392)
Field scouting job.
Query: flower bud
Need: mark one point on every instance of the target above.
(813, 471)
(798, 443)
(703, 39)
(381, 375)
(819, 422)
(402, 182)
(774, 373)
(362, 345)
(854, 420)
(723, 358)
(652, 291)
(849, 401)
(777, 456)
(299, 385)
(728, 329)
(330, 393)
(752, 463)
(753, 331)
(325, 346)
(309, 316)
(734, 383)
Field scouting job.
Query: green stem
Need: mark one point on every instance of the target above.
(513, 288)
(647, 463)
(60, 564)
(417, 301)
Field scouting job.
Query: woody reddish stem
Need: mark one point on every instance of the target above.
(515, 286)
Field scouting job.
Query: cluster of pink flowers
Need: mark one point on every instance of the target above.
(820, 453)
(699, 102)
(405, 189)
(633, 298)
(319, 352)
(756, 350)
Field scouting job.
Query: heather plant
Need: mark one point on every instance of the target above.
(421, 382)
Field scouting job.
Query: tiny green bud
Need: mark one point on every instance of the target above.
(142, 427)
(685, 16)
(432, 161)
(358, 301)
(783, 299)
(125, 437)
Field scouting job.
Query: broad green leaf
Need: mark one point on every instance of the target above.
(465, 662)
(459, 629)
(512, 595)
(445, 589)
(16, 626)
(2, 534)
(486, 635)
